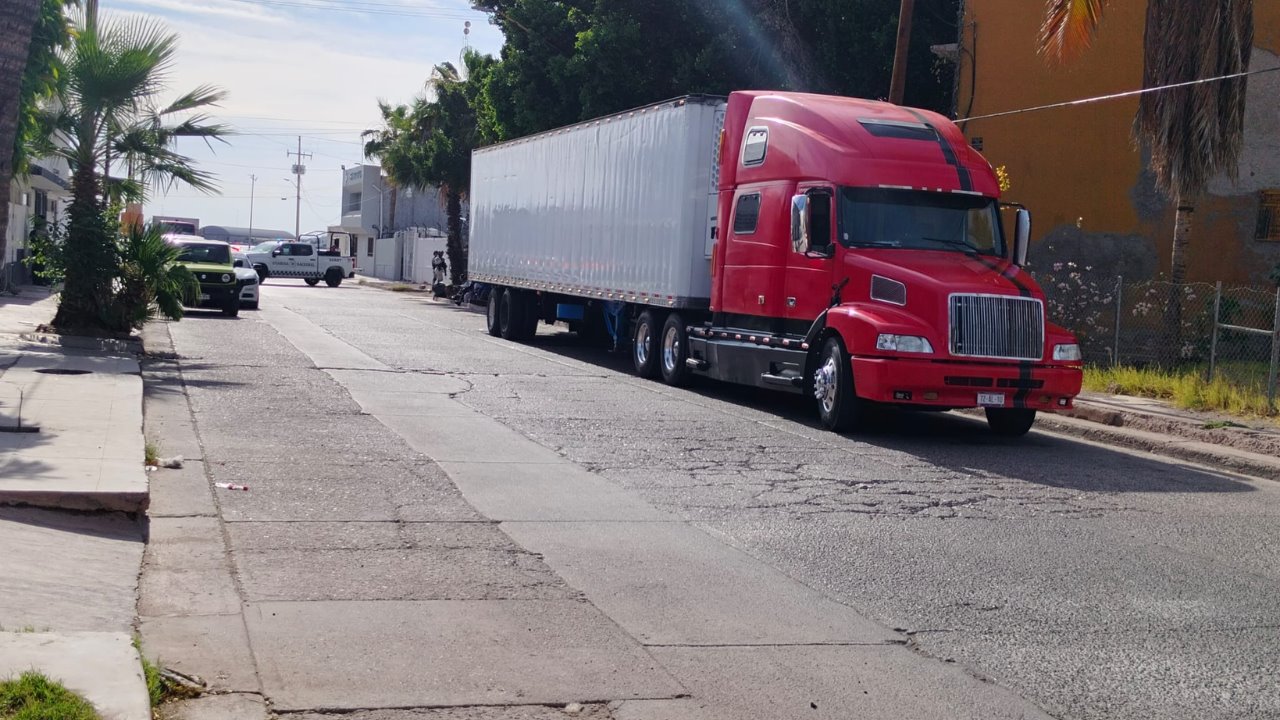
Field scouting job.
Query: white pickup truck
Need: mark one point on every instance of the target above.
(300, 260)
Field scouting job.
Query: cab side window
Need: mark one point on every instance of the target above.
(302, 250)
(747, 214)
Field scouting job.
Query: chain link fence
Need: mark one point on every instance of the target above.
(1232, 333)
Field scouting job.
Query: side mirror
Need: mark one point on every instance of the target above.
(1021, 237)
(238, 263)
(800, 239)
(276, 252)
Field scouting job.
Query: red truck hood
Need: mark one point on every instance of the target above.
(945, 272)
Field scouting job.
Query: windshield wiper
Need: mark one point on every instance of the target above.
(968, 249)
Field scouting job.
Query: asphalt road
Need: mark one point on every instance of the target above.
(1096, 583)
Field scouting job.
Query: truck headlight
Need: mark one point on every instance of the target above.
(903, 343)
(226, 278)
(1068, 352)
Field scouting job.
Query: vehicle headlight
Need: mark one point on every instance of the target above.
(1068, 352)
(226, 277)
(903, 343)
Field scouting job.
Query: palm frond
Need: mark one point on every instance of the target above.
(201, 97)
(1069, 27)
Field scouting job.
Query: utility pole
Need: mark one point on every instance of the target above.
(298, 171)
(253, 183)
(898, 85)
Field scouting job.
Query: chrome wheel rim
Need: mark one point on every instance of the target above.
(671, 349)
(824, 382)
(642, 343)
(493, 310)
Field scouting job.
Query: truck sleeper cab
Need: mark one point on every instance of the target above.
(858, 255)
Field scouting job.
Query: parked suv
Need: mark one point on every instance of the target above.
(210, 262)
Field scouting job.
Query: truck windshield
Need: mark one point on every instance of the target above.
(216, 254)
(918, 220)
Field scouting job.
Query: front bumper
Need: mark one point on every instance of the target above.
(925, 383)
(217, 295)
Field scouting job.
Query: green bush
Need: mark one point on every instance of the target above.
(35, 697)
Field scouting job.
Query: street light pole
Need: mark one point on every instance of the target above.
(253, 183)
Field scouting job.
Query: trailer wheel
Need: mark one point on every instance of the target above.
(1010, 422)
(645, 346)
(491, 314)
(528, 309)
(333, 277)
(839, 408)
(311, 281)
(509, 315)
(675, 350)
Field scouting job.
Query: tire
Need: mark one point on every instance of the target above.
(527, 311)
(831, 383)
(508, 315)
(311, 281)
(645, 345)
(491, 314)
(333, 277)
(263, 273)
(252, 306)
(674, 351)
(231, 308)
(1010, 422)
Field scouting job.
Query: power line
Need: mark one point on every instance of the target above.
(366, 8)
(1117, 96)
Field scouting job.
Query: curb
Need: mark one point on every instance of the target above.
(1104, 426)
(79, 342)
(133, 503)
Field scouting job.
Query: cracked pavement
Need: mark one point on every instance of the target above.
(1096, 583)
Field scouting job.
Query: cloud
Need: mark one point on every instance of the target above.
(219, 8)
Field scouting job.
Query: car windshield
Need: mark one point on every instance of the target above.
(918, 220)
(202, 253)
(264, 247)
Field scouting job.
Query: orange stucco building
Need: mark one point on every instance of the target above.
(1078, 168)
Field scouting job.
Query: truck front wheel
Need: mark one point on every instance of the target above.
(231, 307)
(1010, 422)
(333, 277)
(491, 315)
(675, 350)
(311, 281)
(645, 346)
(839, 408)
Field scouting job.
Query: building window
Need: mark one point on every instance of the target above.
(1268, 216)
(369, 252)
(41, 206)
(747, 215)
(352, 204)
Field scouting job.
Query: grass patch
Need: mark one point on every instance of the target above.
(33, 696)
(1186, 389)
(156, 689)
(151, 452)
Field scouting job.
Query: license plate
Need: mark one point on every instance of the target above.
(991, 399)
(204, 296)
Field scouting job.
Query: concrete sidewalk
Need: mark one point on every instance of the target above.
(73, 535)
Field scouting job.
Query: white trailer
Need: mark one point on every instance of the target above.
(577, 212)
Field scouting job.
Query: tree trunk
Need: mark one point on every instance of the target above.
(1171, 352)
(89, 256)
(17, 20)
(457, 254)
(395, 192)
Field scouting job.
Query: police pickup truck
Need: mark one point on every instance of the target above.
(302, 260)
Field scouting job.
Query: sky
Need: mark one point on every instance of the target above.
(314, 68)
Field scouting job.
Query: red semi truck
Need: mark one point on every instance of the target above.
(851, 250)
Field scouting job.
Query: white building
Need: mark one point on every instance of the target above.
(367, 209)
(43, 193)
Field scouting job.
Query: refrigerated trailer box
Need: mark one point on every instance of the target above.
(619, 208)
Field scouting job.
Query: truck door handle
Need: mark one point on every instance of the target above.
(761, 299)
(791, 302)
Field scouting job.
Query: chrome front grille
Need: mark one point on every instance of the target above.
(997, 326)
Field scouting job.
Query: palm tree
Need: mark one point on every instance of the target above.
(107, 111)
(392, 146)
(1193, 133)
(17, 21)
